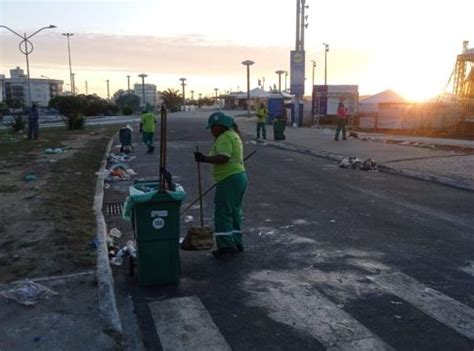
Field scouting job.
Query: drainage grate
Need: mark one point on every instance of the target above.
(114, 209)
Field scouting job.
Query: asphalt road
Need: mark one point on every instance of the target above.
(335, 259)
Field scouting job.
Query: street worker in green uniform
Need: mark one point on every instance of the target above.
(262, 114)
(229, 174)
(147, 128)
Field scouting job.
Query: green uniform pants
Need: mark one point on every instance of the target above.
(228, 211)
(261, 125)
(148, 140)
(340, 124)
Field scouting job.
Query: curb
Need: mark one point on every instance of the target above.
(383, 168)
(111, 324)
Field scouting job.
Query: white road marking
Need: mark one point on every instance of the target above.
(184, 324)
(435, 304)
(296, 304)
(469, 269)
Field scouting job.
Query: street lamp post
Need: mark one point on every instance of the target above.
(143, 76)
(248, 63)
(286, 80)
(108, 90)
(73, 85)
(73, 88)
(192, 94)
(314, 67)
(216, 90)
(326, 50)
(183, 84)
(279, 72)
(128, 84)
(27, 50)
(87, 89)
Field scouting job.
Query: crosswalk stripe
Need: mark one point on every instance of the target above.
(435, 304)
(322, 319)
(184, 324)
(469, 269)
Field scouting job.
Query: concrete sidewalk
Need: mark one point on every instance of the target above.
(453, 168)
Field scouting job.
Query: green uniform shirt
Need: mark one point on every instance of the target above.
(262, 114)
(228, 144)
(148, 121)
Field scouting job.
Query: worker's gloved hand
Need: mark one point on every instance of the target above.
(199, 157)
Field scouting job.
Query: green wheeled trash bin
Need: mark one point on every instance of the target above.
(279, 127)
(155, 218)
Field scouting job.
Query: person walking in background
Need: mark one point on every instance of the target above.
(147, 128)
(229, 173)
(262, 114)
(33, 123)
(341, 121)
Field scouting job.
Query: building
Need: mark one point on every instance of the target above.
(42, 90)
(150, 93)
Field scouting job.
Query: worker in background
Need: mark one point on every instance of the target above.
(229, 174)
(33, 123)
(262, 114)
(147, 128)
(341, 121)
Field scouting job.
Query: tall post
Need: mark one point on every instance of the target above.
(286, 80)
(143, 76)
(68, 35)
(314, 67)
(128, 84)
(279, 72)
(297, 44)
(192, 94)
(326, 50)
(108, 90)
(303, 24)
(87, 89)
(183, 84)
(216, 90)
(27, 53)
(73, 88)
(248, 63)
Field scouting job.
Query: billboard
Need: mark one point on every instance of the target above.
(297, 59)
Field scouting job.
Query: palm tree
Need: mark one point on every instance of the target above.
(172, 99)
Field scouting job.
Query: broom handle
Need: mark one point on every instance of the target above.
(212, 187)
(200, 189)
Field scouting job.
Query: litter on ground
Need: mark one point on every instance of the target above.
(356, 163)
(28, 293)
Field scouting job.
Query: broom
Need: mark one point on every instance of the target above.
(199, 238)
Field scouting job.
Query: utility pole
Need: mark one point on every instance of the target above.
(87, 89)
(183, 84)
(314, 67)
(108, 90)
(73, 86)
(326, 50)
(128, 84)
(248, 63)
(68, 35)
(192, 95)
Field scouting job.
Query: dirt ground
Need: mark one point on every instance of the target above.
(46, 225)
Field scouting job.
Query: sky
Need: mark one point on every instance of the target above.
(409, 46)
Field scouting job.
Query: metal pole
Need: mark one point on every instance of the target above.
(183, 84)
(73, 84)
(68, 35)
(28, 69)
(25, 39)
(297, 46)
(326, 50)
(87, 89)
(286, 80)
(142, 76)
(108, 90)
(248, 90)
(128, 83)
(314, 66)
(302, 23)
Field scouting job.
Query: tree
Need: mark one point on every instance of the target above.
(72, 108)
(128, 100)
(15, 103)
(172, 99)
(3, 108)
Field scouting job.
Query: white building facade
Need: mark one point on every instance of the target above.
(150, 93)
(42, 90)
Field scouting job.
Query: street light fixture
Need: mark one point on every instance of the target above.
(143, 76)
(326, 50)
(183, 84)
(27, 50)
(248, 63)
(68, 35)
(279, 72)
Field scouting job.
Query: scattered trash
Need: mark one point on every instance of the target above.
(353, 135)
(356, 163)
(198, 238)
(106, 186)
(268, 220)
(116, 261)
(116, 257)
(271, 232)
(131, 172)
(287, 226)
(115, 233)
(398, 317)
(28, 293)
(120, 158)
(57, 150)
(300, 221)
(94, 243)
(188, 219)
(30, 176)
(396, 302)
(332, 221)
